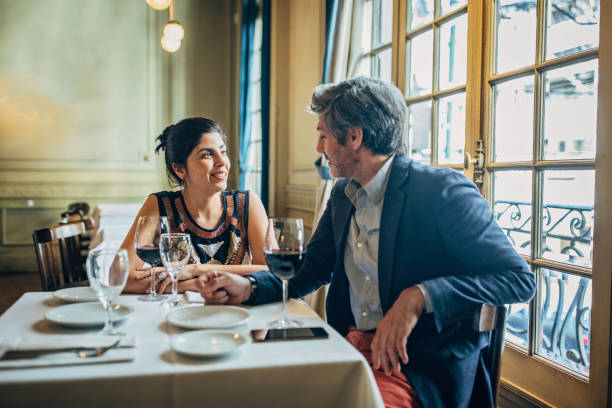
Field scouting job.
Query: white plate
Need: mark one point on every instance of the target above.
(207, 343)
(86, 314)
(208, 317)
(77, 294)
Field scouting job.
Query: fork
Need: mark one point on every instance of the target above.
(97, 351)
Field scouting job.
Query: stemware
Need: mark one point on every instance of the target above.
(146, 243)
(284, 252)
(107, 270)
(175, 251)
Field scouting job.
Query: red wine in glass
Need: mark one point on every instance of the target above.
(284, 263)
(149, 253)
(146, 244)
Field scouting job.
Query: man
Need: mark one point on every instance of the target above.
(410, 250)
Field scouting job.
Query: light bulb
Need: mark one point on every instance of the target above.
(170, 44)
(174, 30)
(159, 4)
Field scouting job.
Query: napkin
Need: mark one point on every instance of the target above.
(193, 297)
(125, 352)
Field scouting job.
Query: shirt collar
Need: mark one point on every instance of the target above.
(375, 189)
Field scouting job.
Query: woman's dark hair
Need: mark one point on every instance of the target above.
(178, 141)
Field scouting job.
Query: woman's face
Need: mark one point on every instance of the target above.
(207, 164)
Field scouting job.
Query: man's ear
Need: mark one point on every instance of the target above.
(179, 170)
(354, 137)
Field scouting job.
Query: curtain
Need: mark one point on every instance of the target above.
(339, 20)
(249, 16)
(265, 101)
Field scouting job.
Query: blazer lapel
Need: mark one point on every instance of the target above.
(389, 227)
(344, 211)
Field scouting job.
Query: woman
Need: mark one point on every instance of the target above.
(225, 226)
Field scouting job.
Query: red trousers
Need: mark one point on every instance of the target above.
(395, 389)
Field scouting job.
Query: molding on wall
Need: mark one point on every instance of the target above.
(301, 197)
(82, 190)
(303, 168)
(510, 396)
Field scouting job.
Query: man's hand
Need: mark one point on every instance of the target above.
(389, 343)
(223, 287)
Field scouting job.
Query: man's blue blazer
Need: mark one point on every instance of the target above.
(438, 230)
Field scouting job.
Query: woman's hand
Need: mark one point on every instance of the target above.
(186, 274)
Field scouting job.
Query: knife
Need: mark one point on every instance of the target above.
(29, 354)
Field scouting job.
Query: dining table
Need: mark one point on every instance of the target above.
(296, 373)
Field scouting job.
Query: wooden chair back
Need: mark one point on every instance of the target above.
(492, 319)
(60, 260)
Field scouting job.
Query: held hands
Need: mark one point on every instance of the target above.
(223, 288)
(389, 343)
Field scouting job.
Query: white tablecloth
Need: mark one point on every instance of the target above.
(306, 373)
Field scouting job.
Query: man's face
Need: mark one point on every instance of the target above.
(342, 161)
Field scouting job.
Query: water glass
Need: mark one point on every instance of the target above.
(175, 251)
(107, 270)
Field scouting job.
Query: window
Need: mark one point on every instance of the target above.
(252, 178)
(519, 81)
(374, 32)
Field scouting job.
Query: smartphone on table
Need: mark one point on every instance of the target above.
(292, 333)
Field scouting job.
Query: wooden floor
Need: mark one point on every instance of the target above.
(13, 285)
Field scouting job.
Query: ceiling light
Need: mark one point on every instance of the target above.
(170, 44)
(174, 31)
(159, 4)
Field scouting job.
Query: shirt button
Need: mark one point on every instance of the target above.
(359, 244)
(367, 278)
(364, 314)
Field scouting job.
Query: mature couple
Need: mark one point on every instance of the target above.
(410, 251)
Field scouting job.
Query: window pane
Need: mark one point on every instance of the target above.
(512, 206)
(419, 131)
(364, 67)
(516, 34)
(451, 129)
(419, 13)
(256, 127)
(256, 66)
(567, 216)
(513, 134)
(448, 5)
(366, 24)
(419, 72)
(453, 52)
(571, 27)
(383, 65)
(570, 111)
(385, 22)
(565, 320)
(256, 96)
(517, 325)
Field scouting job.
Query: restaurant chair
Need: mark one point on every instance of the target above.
(492, 319)
(60, 260)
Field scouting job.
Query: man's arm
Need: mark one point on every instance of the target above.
(496, 274)
(317, 267)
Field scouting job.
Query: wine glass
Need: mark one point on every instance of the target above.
(146, 243)
(284, 251)
(107, 270)
(175, 250)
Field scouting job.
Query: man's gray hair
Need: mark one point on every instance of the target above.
(371, 104)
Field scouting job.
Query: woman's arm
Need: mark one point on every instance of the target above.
(136, 283)
(257, 227)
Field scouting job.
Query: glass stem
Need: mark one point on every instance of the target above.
(108, 324)
(152, 283)
(175, 289)
(285, 291)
